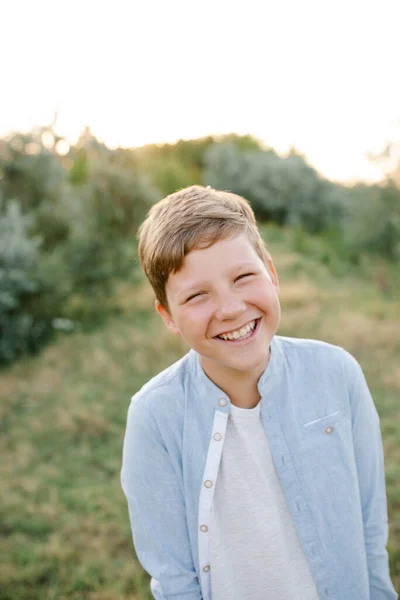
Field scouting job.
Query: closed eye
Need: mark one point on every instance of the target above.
(202, 293)
(194, 296)
(244, 275)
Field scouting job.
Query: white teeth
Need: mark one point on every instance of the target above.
(239, 333)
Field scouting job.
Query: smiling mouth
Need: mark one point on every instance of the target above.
(238, 335)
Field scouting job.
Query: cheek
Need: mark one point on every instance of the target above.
(197, 318)
(266, 298)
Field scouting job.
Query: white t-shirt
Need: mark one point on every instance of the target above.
(255, 550)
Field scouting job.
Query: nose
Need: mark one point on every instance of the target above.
(229, 308)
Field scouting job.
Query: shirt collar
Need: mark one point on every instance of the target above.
(213, 396)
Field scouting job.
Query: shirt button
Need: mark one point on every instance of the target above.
(203, 528)
(222, 402)
(329, 429)
(206, 568)
(208, 483)
(217, 437)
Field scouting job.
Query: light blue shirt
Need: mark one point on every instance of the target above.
(323, 431)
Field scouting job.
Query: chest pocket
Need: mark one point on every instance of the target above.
(324, 425)
(326, 442)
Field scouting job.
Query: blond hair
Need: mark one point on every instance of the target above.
(194, 217)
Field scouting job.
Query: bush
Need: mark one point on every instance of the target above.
(286, 191)
(21, 330)
(373, 220)
(66, 236)
(31, 172)
(117, 197)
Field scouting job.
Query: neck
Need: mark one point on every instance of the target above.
(244, 398)
(240, 387)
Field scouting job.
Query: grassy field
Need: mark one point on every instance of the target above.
(64, 530)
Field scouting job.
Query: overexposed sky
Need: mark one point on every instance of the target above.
(316, 74)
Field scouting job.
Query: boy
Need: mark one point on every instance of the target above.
(252, 467)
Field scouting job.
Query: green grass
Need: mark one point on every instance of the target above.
(64, 530)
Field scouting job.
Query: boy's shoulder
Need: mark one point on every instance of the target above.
(307, 347)
(169, 383)
(316, 355)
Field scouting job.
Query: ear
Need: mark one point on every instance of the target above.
(274, 275)
(167, 318)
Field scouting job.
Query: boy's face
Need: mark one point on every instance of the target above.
(225, 290)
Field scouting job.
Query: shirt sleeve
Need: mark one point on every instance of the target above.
(154, 493)
(371, 478)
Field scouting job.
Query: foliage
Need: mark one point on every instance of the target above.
(373, 220)
(85, 221)
(21, 327)
(175, 166)
(169, 175)
(119, 199)
(286, 191)
(30, 171)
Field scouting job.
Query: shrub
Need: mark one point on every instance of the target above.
(373, 220)
(286, 191)
(31, 172)
(64, 237)
(118, 198)
(21, 330)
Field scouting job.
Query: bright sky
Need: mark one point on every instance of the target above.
(316, 74)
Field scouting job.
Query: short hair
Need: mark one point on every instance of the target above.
(191, 218)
